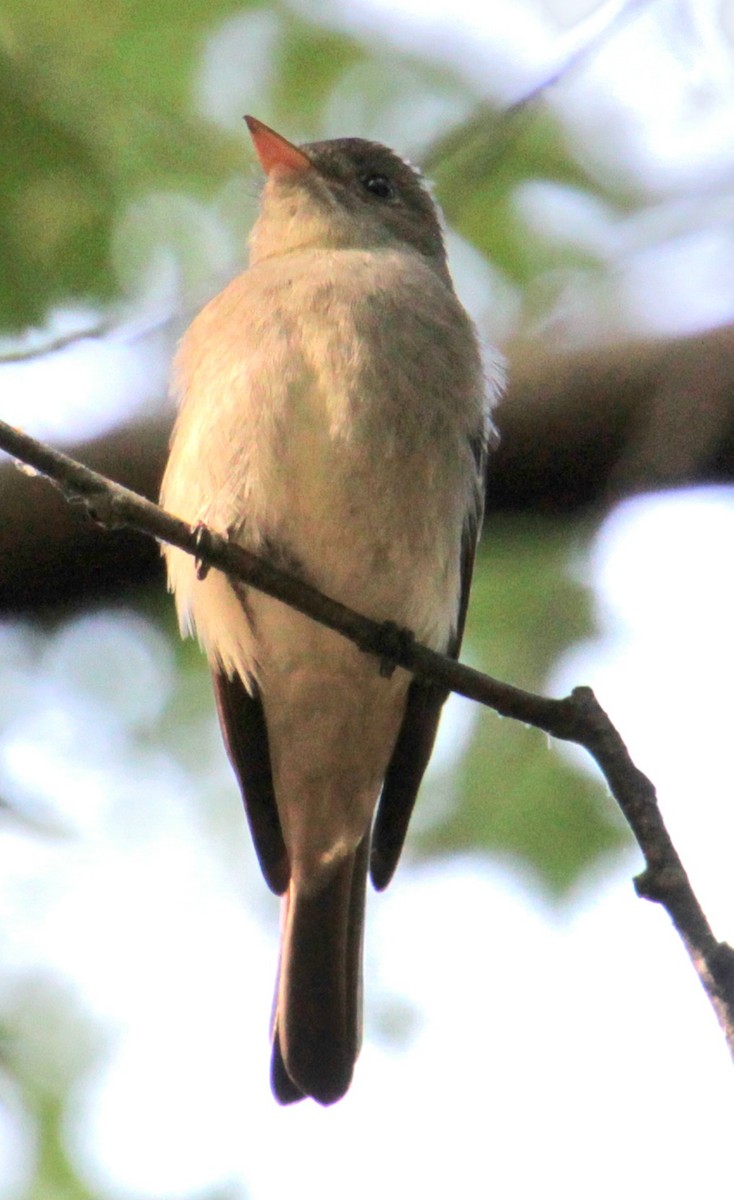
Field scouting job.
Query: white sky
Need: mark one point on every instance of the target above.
(562, 1053)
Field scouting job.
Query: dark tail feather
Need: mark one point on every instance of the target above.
(284, 1089)
(318, 1015)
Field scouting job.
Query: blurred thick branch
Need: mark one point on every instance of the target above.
(578, 718)
(578, 430)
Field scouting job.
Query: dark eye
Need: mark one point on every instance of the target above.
(380, 186)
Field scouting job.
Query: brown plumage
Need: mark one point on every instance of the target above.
(333, 415)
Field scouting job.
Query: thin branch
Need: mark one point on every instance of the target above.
(578, 57)
(578, 718)
(486, 130)
(55, 345)
(130, 332)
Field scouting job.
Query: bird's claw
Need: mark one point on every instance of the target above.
(203, 543)
(396, 643)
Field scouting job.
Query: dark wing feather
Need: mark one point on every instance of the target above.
(245, 733)
(402, 780)
(422, 713)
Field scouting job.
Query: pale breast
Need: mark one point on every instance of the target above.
(327, 407)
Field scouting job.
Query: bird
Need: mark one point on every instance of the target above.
(334, 416)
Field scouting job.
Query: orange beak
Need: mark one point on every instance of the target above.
(274, 152)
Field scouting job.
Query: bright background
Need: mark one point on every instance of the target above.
(531, 1027)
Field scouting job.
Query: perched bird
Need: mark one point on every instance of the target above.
(333, 417)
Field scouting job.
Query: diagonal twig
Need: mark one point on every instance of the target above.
(55, 345)
(482, 138)
(577, 718)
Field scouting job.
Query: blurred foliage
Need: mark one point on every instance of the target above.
(477, 171)
(48, 1047)
(104, 105)
(95, 108)
(517, 794)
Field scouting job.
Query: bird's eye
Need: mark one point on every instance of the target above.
(380, 186)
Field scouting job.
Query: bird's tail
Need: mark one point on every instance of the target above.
(318, 1005)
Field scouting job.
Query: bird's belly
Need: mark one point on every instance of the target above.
(380, 536)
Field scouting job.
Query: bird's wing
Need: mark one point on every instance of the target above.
(245, 735)
(402, 780)
(422, 713)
